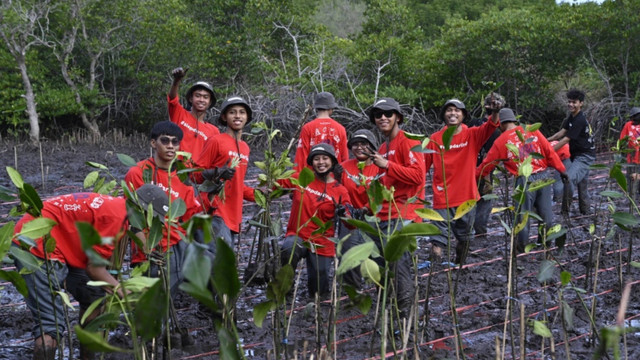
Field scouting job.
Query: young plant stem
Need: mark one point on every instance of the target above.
(523, 319)
(565, 334)
(595, 288)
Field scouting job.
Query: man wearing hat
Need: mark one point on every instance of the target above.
(457, 167)
(403, 169)
(322, 130)
(68, 263)
(165, 139)
(226, 157)
(200, 98)
(534, 142)
(631, 131)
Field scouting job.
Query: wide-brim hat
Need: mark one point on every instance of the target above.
(385, 104)
(634, 111)
(455, 102)
(325, 101)
(507, 115)
(154, 195)
(363, 134)
(234, 100)
(326, 149)
(201, 85)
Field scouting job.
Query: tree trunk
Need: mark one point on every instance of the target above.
(34, 130)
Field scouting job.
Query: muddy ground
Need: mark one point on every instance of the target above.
(480, 302)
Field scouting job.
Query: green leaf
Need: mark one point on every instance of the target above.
(228, 345)
(567, 314)
(565, 277)
(261, 200)
(447, 136)
(261, 311)
(197, 265)
(429, 214)
(37, 228)
(278, 288)
(29, 261)
(635, 264)
(151, 311)
(6, 235)
(539, 328)
(29, 196)
(15, 177)
(616, 174)
(96, 165)
(156, 232)
(225, 273)
(525, 169)
(397, 245)
(371, 271)
(464, 208)
(612, 194)
(177, 209)
(419, 229)
(625, 220)
(90, 179)
(126, 160)
(306, 177)
(89, 236)
(94, 341)
(539, 184)
(547, 268)
(17, 281)
(65, 298)
(533, 127)
(49, 245)
(523, 222)
(354, 256)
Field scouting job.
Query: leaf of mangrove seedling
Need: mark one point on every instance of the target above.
(635, 264)
(177, 209)
(306, 177)
(577, 289)
(490, 197)
(37, 227)
(354, 256)
(533, 127)
(29, 196)
(505, 226)
(539, 328)
(197, 265)
(523, 222)
(397, 245)
(126, 160)
(17, 281)
(625, 220)
(429, 214)
(529, 247)
(151, 311)
(362, 301)
(225, 272)
(90, 179)
(15, 177)
(6, 235)
(261, 311)
(203, 295)
(598, 167)
(525, 169)
(96, 165)
(536, 155)
(464, 208)
(556, 232)
(106, 320)
(514, 150)
(261, 200)
(422, 150)
(30, 262)
(539, 184)
(419, 229)
(447, 136)
(65, 298)
(567, 314)
(611, 194)
(371, 271)
(7, 194)
(278, 287)
(95, 341)
(363, 225)
(412, 136)
(565, 277)
(49, 244)
(155, 233)
(500, 209)
(89, 236)
(138, 284)
(616, 174)
(547, 267)
(228, 345)
(95, 259)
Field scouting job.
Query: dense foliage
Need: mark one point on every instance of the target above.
(102, 64)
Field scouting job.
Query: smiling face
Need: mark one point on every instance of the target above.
(200, 100)
(574, 106)
(453, 116)
(386, 121)
(361, 150)
(236, 117)
(321, 163)
(165, 147)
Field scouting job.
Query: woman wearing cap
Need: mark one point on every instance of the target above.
(200, 98)
(324, 198)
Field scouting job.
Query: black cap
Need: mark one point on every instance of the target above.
(366, 135)
(234, 100)
(507, 115)
(152, 194)
(326, 149)
(201, 85)
(385, 104)
(455, 102)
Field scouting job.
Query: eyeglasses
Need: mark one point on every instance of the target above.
(359, 145)
(387, 113)
(165, 140)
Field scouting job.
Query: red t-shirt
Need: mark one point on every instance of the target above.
(535, 142)
(146, 169)
(563, 152)
(195, 132)
(353, 180)
(219, 151)
(321, 131)
(406, 173)
(318, 200)
(459, 164)
(107, 214)
(633, 132)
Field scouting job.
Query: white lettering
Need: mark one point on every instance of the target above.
(183, 123)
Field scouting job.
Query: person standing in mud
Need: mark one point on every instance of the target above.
(485, 184)
(457, 167)
(165, 141)
(322, 130)
(225, 157)
(200, 98)
(631, 132)
(324, 198)
(69, 265)
(576, 132)
(534, 142)
(403, 169)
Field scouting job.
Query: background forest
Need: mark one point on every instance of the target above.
(105, 64)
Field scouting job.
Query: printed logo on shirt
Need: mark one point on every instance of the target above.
(318, 193)
(97, 202)
(233, 154)
(174, 193)
(71, 207)
(183, 123)
(456, 146)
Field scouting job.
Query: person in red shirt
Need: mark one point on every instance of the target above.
(226, 156)
(631, 131)
(165, 141)
(457, 167)
(200, 98)
(322, 130)
(69, 264)
(565, 157)
(534, 142)
(403, 169)
(323, 199)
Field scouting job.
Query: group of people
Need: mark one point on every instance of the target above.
(461, 157)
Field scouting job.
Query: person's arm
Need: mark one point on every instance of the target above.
(562, 142)
(558, 135)
(177, 73)
(489, 162)
(100, 273)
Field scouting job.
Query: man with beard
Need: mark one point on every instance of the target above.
(454, 181)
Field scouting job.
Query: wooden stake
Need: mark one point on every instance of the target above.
(15, 157)
(41, 165)
(522, 332)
